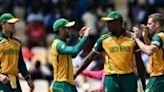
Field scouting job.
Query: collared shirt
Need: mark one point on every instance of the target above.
(156, 61)
(118, 53)
(61, 58)
(11, 60)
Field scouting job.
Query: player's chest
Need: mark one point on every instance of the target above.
(9, 47)
(114, 46)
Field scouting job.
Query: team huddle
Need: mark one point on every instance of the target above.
(121, 49)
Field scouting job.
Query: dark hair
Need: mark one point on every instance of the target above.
(158, 17)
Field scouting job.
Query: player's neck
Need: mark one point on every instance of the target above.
(118, 33)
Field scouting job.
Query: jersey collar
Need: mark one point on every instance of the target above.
(58, 37)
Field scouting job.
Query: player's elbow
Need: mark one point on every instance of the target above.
(75, 52)
(147, 50)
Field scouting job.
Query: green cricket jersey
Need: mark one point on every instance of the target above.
(11, 63)
(156, 63)
(61, 58)
(118, 53)
(11, 59)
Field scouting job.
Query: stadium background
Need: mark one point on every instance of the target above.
(35, 31)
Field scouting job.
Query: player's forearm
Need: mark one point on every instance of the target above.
(68, 50)
(145, 48)
(77, 48)
(87, 60)
(21, 65)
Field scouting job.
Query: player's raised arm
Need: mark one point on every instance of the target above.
(64, 49)
(87, 60)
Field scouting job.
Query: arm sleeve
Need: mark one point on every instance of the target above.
(156, 40)
(21, 65)
(98, 45)
(62, 48)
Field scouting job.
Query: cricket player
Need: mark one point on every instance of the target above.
(11, 60)
(118, 50)
(61, 55)
(155, 49)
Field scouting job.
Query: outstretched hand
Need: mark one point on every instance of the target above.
(81, 32)
(136, 32)
(84, 31)
(142, 31)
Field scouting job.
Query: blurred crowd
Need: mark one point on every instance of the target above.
(37, 17)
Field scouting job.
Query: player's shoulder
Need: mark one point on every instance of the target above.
(56, 42)
(105, 36)
(160, 34)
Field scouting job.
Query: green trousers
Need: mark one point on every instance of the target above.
(155, 84)
(63, 87)
(7, 87)
(120, 83)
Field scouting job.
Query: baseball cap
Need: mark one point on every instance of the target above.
(61, 23)
(113, 15)
(8, 17)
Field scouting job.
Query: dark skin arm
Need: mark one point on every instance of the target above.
(140, 68)
(24, 72)
(86, 61)
(139, 62)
